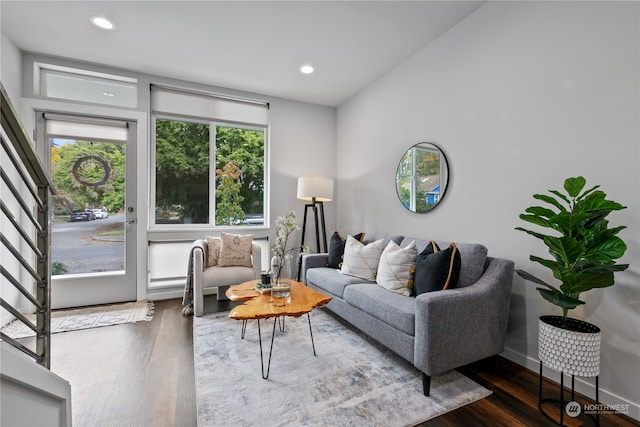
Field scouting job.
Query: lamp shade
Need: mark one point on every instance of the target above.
(313, 186)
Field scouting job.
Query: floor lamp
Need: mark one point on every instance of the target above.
(316, 190)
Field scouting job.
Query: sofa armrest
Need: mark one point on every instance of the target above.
(312, 261)
(459, 326)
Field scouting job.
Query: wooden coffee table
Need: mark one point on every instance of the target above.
(260, 306)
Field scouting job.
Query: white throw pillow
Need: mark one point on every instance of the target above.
(360, 260)
(394, 270)
(235, 250)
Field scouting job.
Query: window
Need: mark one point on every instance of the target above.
(207, 172)
(87, 86)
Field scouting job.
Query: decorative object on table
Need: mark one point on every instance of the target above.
(282, 259)
(316, 190)
(584, 258)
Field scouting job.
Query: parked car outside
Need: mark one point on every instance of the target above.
(100, 213)
(82, 215)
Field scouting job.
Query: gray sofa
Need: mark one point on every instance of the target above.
(436, 331)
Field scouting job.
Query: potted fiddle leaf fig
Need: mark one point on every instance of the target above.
(584, 249)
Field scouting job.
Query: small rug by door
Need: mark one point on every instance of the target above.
(87, 317)
(353, 381)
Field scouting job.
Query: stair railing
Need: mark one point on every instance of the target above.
(25, 231)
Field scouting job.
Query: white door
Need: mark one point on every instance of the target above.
(93, 242)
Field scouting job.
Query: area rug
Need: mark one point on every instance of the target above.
(351, 382)
(86, 318)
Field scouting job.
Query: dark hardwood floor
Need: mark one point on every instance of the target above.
(142, 375)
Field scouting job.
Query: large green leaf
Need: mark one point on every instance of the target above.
(586, 282)
(607, 251)
(573, 186)
(534, 279)
(560, 196)
(535, 219)
(533, 233)
(596, 201)
(540, 211)
(551, 201)
(586, 193)
(559, 299)
(566, 250)
(567, 222)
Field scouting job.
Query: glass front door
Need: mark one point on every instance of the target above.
(93, 218)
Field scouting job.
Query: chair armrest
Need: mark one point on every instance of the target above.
(459, 326)
(256, 254)
(198, 253)
(312, 261)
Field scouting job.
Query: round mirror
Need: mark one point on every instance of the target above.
(422, 176)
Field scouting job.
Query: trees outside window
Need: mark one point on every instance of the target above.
(195, 179)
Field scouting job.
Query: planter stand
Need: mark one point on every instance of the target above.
(574, 350)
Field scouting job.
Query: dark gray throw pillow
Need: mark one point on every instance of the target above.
(437, 269)
(336, 248)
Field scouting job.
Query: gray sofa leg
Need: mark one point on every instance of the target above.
(426, 384)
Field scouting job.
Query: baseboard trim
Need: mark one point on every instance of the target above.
(587, 388)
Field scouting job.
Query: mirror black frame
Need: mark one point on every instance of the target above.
(409, 177)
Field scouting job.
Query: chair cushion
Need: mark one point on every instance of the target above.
(360, 260)
(235, 250)
(213, 250)
(396, 266)
(213, 277)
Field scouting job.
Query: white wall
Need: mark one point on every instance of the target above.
(10, 76)
(520, 95)
(11, 69)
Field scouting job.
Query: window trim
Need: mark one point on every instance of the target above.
(213, 124)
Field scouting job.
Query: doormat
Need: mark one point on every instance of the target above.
(86, 318)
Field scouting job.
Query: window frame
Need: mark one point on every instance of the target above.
(213, 124)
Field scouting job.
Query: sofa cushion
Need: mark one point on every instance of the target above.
(393, 309)
(235, 250)
(370, 238)
(336, 248)
(330, 280)
(361, 260)
(473, 257)
(437, 269)
(395, 269)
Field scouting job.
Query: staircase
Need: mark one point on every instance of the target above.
(31, 395)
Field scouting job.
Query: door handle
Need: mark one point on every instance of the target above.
(130, 221)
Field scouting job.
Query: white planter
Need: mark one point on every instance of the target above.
(573, 349)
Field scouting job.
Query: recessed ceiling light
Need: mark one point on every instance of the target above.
(102, 22)
(306, 69)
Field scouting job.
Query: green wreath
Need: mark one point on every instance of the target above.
(77, 169)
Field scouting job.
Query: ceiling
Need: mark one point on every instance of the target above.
(254, 46)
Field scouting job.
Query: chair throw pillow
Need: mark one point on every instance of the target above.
(437, 269)
(336, 248)
(235, 250)
(213, 251)
(360, 260)
(395, 269)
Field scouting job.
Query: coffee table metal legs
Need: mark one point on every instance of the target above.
(280, 321)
